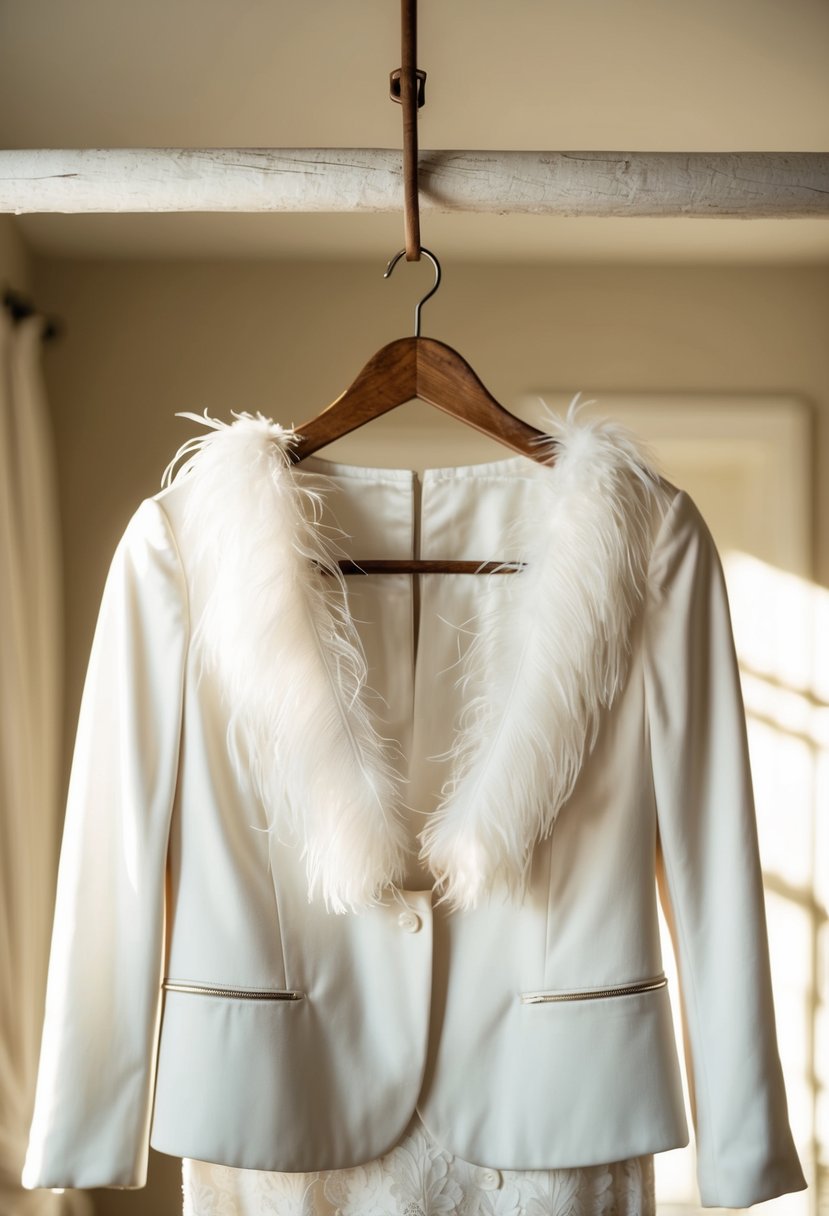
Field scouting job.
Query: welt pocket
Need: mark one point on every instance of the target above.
(587, 994)
(249, 994)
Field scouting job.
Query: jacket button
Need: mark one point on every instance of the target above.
(410, 921)
(489, 1180)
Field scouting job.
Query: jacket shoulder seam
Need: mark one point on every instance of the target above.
(663, 531)
(179, 563)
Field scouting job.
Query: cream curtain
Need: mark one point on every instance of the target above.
(31, 702)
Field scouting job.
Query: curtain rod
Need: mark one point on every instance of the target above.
(20, 306)
(790, 185)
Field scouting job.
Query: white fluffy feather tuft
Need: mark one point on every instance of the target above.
(549, 651)
(291, 666)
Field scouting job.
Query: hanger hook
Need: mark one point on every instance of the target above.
(429, 294)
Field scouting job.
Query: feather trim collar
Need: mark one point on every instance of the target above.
(279, 635)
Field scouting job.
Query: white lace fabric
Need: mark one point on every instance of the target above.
(419, 1178)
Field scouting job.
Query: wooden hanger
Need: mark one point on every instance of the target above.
(418, 367)
(439, 375)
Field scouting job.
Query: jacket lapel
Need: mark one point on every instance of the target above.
(278, 633)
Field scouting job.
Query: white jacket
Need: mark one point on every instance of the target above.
(330, 857)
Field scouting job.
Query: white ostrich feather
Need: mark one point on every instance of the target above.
(557, 651)
(546, 655)
(292, 670)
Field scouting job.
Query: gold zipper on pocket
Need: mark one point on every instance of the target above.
(262, 994)
(535, 998)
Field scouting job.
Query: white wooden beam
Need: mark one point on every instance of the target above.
(717, 184)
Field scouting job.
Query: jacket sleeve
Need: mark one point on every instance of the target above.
(95, 1082)
(709, 873)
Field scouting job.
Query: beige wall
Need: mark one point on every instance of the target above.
(15, 262)
(144, 340)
